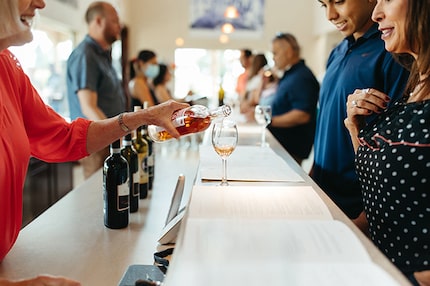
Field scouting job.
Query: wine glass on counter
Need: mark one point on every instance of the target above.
(224, 141)
(263, 117)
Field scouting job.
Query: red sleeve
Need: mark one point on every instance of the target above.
(51, 137)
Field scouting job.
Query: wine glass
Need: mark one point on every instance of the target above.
(224, 141)
(263, 116)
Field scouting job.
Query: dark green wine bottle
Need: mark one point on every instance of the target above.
(115, 188)
(151, 153)
(141, 147)
(130, 154)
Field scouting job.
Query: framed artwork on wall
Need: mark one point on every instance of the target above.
(72, 3)
(213, 17)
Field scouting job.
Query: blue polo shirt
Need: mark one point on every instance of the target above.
(351, 65)
(297, 89)
(90, 67)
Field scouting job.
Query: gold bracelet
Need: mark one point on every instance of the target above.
(122, 125)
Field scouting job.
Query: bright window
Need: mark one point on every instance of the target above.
(44, 61)
(201, 72)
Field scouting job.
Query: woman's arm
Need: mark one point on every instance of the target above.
(362, 223)
(162, 93)
(103, 132)
(41, 280)
(139, 89)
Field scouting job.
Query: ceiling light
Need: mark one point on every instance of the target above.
(231, 12)
(227, 28)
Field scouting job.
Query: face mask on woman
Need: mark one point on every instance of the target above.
(152, 71)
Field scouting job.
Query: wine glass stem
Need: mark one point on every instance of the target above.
(263, 136)
(224, 172)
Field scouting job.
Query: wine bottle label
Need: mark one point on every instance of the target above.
(136, 189)
(178, 118)
(136, 177)
(151, 160)
(123, 192)
(143, 169)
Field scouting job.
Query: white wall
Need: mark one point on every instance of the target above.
(156, 24)
(163, 21)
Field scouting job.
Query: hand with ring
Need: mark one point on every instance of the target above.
(369, 100)
(362, 103)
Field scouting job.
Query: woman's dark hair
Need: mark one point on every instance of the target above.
(132, 66)
(258, 63)
(417, 30)
(247, 53)
(144, 56)
(159, 79)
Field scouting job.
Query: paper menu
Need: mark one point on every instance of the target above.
(247, 163)
(272, 252)
(267, 235)
(292, 202)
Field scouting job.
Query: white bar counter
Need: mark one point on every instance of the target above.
(70, 239)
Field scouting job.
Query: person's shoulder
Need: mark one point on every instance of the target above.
(6, 55)
(9, 60)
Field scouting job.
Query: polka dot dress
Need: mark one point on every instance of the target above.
(393, 164)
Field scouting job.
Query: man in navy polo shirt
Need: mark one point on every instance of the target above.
(94, 89)
(295, 100)
(359, 61)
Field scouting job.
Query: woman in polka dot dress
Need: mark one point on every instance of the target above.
(393, 151)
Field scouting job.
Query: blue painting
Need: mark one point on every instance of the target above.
(72, 3)
(209, 14)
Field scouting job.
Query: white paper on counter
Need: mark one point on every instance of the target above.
(272, 252)
(257, 202)
(247, 163)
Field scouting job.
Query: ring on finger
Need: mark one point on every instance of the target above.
(366, 90)
(354, 103)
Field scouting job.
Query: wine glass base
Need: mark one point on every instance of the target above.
(264, 144)
(223, 184)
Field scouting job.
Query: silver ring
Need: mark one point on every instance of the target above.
(365, 90)
(354, 103)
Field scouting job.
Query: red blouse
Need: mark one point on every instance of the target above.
(28, 127)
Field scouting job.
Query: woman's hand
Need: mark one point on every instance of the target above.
(362, 223)
(423, 277)
(161, 115)
(41, 280)
(362, 103)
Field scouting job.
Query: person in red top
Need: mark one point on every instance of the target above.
(28, 127)
(245, 59)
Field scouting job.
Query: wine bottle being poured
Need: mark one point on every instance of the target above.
(193, 119)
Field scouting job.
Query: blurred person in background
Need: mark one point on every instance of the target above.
(143, 70)
(268, 86)
(94, 89)
(161, 90)
(245, 59)
(294, 102)
(252, 88)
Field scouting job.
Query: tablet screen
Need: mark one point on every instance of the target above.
(176, 199)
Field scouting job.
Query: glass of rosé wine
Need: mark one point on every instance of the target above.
(224, 141)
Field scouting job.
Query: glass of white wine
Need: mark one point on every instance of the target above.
(263, 117)
(224, 141)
